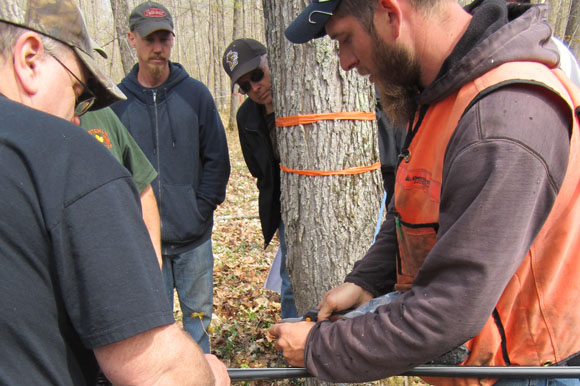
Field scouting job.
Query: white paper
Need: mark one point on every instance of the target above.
(274, 280)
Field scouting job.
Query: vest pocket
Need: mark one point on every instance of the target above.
(415, 242)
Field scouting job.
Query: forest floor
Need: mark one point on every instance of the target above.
(243, 308)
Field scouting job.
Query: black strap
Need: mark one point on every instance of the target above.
(501, 330)
(411, 131)
(388, 173)
(572, 360)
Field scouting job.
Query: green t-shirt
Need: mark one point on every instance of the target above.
(106, 128)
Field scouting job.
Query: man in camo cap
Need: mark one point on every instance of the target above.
(80, 282)
(62, 21)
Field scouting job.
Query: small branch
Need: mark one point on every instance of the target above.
(236, 217)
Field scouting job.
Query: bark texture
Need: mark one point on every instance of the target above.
(120, 11)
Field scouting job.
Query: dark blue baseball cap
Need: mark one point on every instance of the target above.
(310, 23)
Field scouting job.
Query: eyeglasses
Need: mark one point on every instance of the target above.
(255, 76)
(86, 99)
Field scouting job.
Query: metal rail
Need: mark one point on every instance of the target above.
(424, 371)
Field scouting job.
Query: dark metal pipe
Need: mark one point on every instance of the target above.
(424, 371)
(270, 373)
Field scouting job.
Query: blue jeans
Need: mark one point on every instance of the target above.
(191, 273)
(288, 309)
(539, 382)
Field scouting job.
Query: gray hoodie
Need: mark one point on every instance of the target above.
(502, 170)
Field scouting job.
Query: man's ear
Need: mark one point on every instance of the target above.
(28, 55)
(131, 38)
(388, 17)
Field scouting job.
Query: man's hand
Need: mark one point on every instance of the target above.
(343, 297)
(291, 340)
(219, 370)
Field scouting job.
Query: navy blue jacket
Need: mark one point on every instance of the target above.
(259, 156)
(178, 127)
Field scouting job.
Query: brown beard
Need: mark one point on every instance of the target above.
(156, 72)
(397, 81)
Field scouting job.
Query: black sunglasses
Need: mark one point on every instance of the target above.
(255, 76)
(86, 99)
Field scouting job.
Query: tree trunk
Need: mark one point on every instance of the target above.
(222, 92)
(559, 11)
(121, 20)
(235, 99)
(176, 52)
(196, 38)
(329, 220)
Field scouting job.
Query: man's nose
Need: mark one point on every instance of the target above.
(255, 85)
(157, 46)
(347, 60)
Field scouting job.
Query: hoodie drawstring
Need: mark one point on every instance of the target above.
(411, 131)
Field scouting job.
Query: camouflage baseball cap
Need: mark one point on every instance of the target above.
(62, 20)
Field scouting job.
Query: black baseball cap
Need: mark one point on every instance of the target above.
(241, 57)
(149, 17)
(310, 23)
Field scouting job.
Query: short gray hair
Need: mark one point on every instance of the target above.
(9, 33)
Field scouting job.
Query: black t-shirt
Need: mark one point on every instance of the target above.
(78, 268)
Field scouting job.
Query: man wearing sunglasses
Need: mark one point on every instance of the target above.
(245, 62)
(76, 290)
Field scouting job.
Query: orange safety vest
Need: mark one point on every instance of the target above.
(536, 319)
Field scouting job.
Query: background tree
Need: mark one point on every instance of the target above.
(559, 16)
(120, 12)
(238, 32)
(572, 35)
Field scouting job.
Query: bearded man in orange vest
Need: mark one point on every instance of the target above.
(483, 233)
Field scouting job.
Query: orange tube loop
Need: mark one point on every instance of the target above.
(346, 172)
(306, 119)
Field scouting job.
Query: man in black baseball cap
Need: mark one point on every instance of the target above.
(246, 63)
(487, 109)
(241, 57)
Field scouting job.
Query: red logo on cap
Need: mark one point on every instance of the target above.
(154, 12)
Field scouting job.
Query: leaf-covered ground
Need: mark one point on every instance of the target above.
(243, 309)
